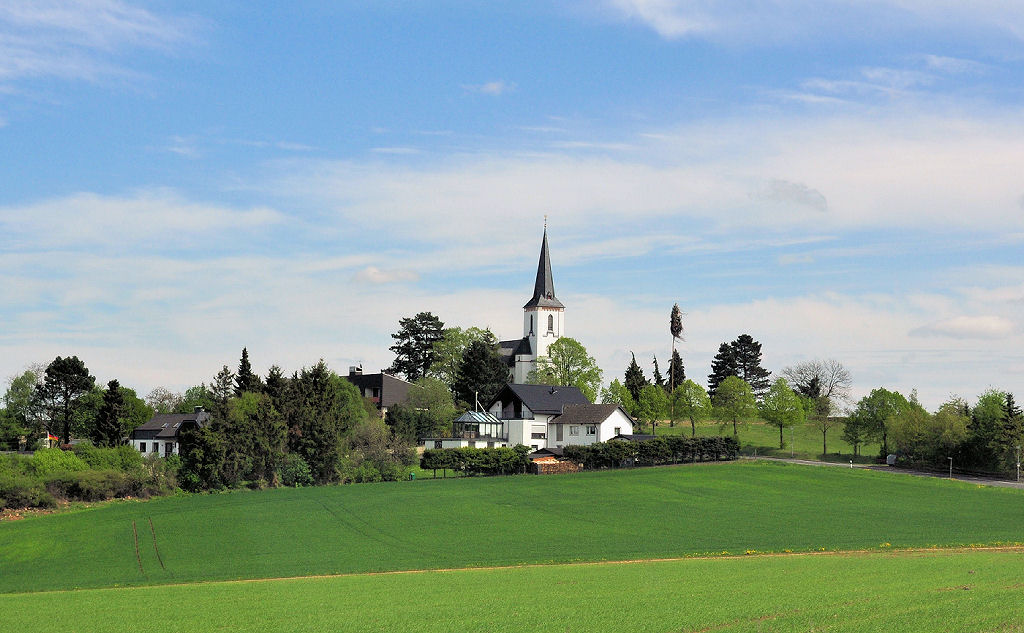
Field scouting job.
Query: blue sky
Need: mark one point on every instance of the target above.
(839, 179)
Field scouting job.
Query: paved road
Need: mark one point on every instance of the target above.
(1001, 483)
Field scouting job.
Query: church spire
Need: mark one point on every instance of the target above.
(544, 288)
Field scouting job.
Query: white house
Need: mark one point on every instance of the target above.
(538, 416)
(161, 435)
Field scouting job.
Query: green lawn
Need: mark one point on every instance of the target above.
(611, 515)
(758, 438)
(905, 592)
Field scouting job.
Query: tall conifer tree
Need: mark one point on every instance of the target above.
(635, 379)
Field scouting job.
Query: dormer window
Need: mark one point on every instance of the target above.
(551, 323)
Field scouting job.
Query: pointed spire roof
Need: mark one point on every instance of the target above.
(544, 288)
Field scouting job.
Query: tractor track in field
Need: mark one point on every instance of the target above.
(910, 551)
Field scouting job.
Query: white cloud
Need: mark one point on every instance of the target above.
(491, 88)
(968, 327)
(87, 220)
(374, 275)
(781, 20)
(81, 39)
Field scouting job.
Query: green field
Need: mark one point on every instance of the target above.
(759, 438)
(905, 592)
(612, 515)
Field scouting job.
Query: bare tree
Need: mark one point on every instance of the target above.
(820, 379)
(827, 384)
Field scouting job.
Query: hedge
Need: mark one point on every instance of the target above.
(660, 450)
(477, 461)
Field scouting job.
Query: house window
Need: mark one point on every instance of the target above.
(538, 436)
(142, 447)
(591, 430)
(438, 443)
(574, 430)
(472, 444)
(156, 447)
(533, 446)
(531, 324)
(490, 444)
(618, 430)
(551, 323)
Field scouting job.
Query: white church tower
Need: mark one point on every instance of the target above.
(543, 320)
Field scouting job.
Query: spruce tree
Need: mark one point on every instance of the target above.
(635, 379)
(246, 381)
(221, 391)
(747, 354)
(723, 365)
(482, 373)
(109, 427)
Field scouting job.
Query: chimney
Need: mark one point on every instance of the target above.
(355, 370)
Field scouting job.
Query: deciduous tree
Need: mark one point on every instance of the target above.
(734, 402)
(568, 363)
(652, 405)
(616, 393)
(781, 407)
(691, 402)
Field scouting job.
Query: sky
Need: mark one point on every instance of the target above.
(838, 178)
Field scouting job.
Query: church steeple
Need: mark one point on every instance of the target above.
(544, 287)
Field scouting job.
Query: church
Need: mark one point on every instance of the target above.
(543, 322)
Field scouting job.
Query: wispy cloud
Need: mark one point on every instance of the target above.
(491, 88)
(374, 275)
(775, 20)
(968, 327)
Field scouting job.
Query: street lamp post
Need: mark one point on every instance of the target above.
(950, 467)
(1018, 463)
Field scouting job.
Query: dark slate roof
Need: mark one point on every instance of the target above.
(544, 287)
(632, 438)
(167, 425)
(586, 414)
(543, 399)
(516, 347)
(544, 452)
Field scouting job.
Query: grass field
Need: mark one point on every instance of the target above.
(907, 592)
(759, 438)
(613, 515)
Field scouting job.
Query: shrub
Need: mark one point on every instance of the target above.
(54, 460)
(478, 461)
(295, 471)
(124, 457)
(22, 491)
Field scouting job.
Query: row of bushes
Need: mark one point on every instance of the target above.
(477, 461)
(660, 450)
(85, 474)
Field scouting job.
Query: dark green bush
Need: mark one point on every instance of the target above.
(295, 471)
